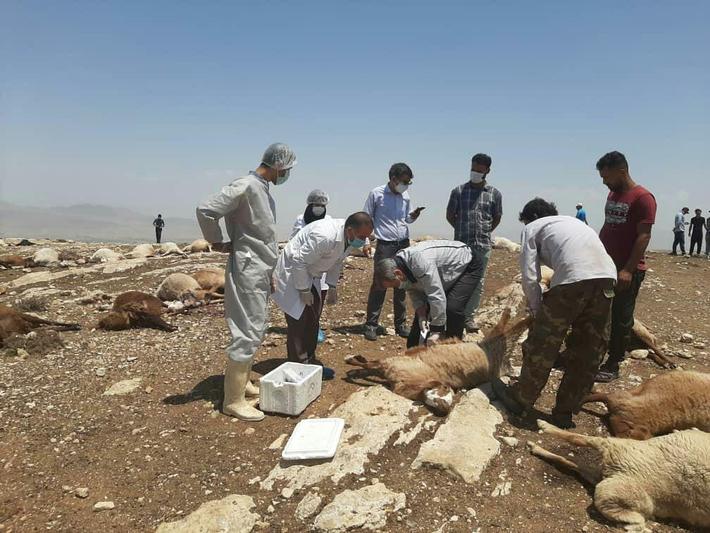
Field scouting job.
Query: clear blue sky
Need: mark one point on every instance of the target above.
(156, 104)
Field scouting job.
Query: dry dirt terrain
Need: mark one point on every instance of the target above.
(161, 451)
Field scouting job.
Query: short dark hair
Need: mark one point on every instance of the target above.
(614, 160)
(537, 208)
(482, 159)
(358, 220)
(399, 170)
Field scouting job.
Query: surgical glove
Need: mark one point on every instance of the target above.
(306, 297)
(332, 297)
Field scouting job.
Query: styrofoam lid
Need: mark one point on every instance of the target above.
(315, 438)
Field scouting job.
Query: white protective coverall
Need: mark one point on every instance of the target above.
(319, 248)
(249, 215)
(436, 267)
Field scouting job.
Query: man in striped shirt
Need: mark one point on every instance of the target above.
(475, 209)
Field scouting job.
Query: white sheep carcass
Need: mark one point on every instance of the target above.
(105, 255)
(197, 246)
(141, 251)
(170, 248)
(45, 257)
(501, 243)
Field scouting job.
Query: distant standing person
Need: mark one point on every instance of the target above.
(679, 231)
(390, 208)
(707, 236)
(697, 225)
(159, 224)
(581, 214)
(630, 213)
(475, 209)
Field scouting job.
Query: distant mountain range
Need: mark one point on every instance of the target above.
(90, 223)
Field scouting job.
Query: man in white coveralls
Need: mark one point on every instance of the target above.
(249, 214)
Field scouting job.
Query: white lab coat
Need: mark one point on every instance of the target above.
(298, 225)
(319, 248)
(249, 216)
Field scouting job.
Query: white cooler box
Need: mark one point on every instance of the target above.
(289, 388)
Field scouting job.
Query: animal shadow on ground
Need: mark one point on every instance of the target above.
(363, 377)
(210, 389)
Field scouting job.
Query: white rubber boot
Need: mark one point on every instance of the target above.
(252, 389)
(236, 378)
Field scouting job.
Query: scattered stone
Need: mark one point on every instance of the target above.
(123, 387)
(699, 346)
(371, 416)
(228, 515)
(67, 488)
(308, 506)
(464, 445)
(104, 506)
(365, 508)
(510, 441)
(101, 372)
(684, 354)
(278, 443)
(82, 492)
(287, 493)
(501, 489)
(638, 354)
(249, 431)
(686, 338)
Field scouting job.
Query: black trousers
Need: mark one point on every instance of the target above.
(376, 298)
(456, 299)
(696, 238)
(158, 233)
(679, 239)
(302, 336)
(622, 320)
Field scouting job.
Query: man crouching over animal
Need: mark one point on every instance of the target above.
(439, 277)
(580, 298)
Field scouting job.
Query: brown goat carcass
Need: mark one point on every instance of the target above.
(13, 322)
(12, 260)
(210, 280)
(672, 401)
(432, 374)
(135, 309)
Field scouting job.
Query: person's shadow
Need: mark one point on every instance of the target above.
(355, 329)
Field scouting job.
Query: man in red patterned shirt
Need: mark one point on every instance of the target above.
(629, 215)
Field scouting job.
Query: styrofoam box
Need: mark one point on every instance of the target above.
(315, 438)
(277, 395)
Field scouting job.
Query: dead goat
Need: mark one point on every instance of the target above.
(13, 322)
(134, 309)
(186, 289)
(15, 261)
(663, 477)
(432, 374)
(210, 280)
(671, 401)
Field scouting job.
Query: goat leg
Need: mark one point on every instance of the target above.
(589, 475)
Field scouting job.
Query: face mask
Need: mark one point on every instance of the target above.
(477, 177)
(318, 210)
(357, 243)
(401, 188)
(280, 180)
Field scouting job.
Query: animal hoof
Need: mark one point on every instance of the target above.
(544, 426)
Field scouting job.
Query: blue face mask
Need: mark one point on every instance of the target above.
(357, 243)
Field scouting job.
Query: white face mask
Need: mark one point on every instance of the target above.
(318, 210)
(280, 180)
(400, 188)
(477, 177)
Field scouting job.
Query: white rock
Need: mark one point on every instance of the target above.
(686, 338)
(510, 441)
(104, 506)
(101, 372)
(639, 354)
(123, 387)
(501, 489)
(278, 443)
(228, 515)
(366, 508)
(464, 445)
(46, 257)
(82, 492)
(287, 493)
(308, 506)
(371, 416)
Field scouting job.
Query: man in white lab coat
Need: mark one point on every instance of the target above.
(249, 214)
(319, 248)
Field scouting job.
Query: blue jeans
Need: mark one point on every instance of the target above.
(679, 238)
(475, 300)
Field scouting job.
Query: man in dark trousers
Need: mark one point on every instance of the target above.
(159, 224)
(630, 213)
(697, 225)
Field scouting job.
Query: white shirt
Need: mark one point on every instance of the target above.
(317, 249)
(566, 245)
(390, 213)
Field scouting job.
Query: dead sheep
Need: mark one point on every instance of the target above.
(671, 401)
(134, 309)
(664, 477)
(46, 257)
(12, 322)
(170, 248)
(177, 286)
(141, 251)
(501, 243)
(105, 255)
(210, 280)
(197, 246)
(432, 374)
(15, 261)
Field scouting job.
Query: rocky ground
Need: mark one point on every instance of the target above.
(121, 430)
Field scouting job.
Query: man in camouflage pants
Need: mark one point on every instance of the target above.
(579, 298)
